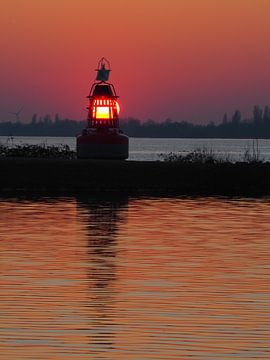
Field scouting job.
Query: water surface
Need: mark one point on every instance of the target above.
(134, 279)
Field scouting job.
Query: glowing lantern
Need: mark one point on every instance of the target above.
(104, 108)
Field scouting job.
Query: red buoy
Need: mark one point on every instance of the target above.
(102, 138)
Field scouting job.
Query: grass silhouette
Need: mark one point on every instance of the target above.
(37, 151)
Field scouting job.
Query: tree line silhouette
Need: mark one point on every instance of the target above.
(258, 126)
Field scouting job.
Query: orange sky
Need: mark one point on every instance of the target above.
(184, 59)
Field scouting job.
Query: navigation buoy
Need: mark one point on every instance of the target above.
(102, 137)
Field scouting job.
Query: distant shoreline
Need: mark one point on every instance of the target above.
(231, 127)
(134, 178)
(172, 136)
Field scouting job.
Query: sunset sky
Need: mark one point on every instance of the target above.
(180, 59)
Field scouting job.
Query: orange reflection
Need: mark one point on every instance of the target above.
(41, 282)
(153, 279)
(205, 281)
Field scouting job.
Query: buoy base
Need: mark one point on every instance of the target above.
(102, 145)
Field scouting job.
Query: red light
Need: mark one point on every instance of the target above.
(105, 109)
(117, 107)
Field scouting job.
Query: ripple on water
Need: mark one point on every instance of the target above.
(134, 278)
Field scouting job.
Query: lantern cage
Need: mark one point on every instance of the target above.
(103, 106)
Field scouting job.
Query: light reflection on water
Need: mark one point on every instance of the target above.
(135, 279)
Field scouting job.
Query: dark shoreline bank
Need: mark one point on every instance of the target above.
(134, 178)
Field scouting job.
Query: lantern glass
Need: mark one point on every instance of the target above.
(103, 112)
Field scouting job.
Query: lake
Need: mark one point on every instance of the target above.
(134, 278)
(148, 149)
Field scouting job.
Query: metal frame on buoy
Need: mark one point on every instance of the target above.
(102, 138)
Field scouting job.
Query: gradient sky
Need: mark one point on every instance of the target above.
(180, 59)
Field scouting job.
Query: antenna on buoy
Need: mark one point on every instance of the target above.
(103, 70)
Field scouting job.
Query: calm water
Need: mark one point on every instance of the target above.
(135, 279)
(150, 149)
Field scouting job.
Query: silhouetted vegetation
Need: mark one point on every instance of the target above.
(197, 156)
(258, 126)
(204, 155)
(37, 151)
(43, 126)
